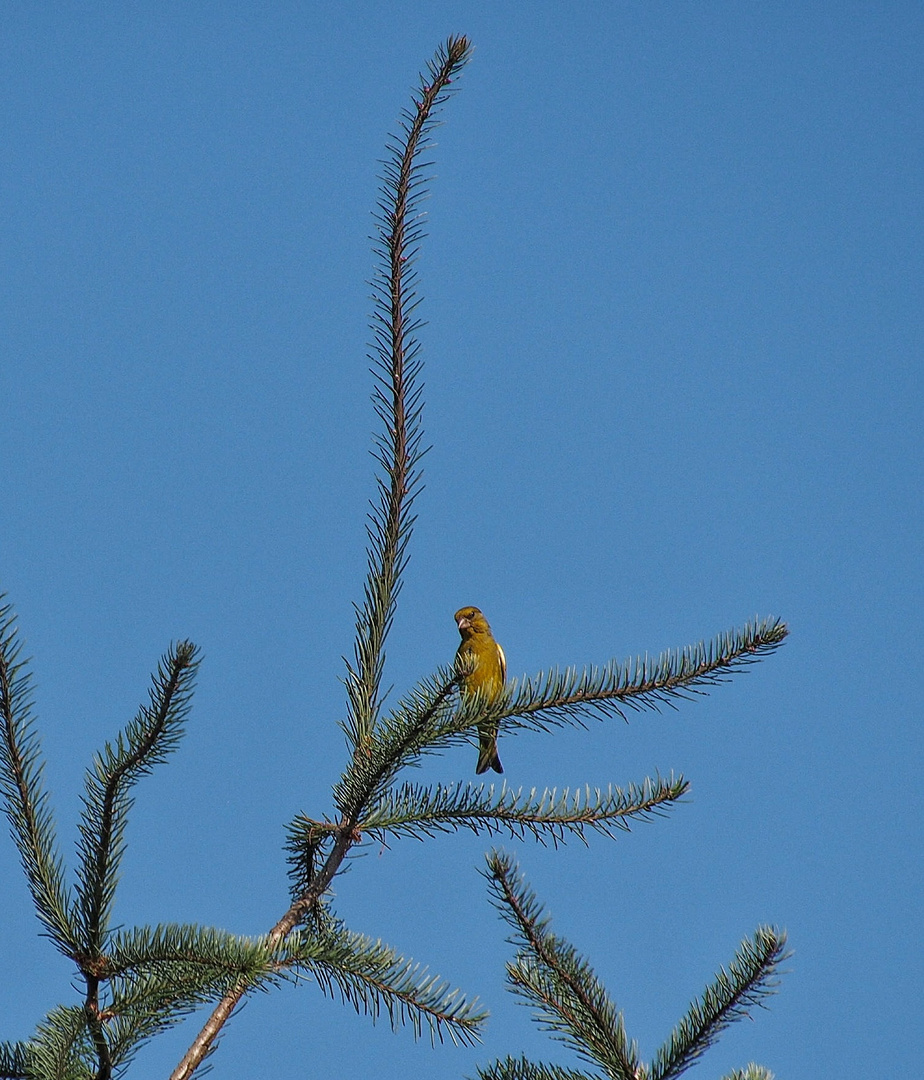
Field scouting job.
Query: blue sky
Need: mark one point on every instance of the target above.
(673, 381)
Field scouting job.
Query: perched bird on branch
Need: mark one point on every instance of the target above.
(483, 659)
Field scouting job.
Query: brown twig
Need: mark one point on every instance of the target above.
(94, 1023)
(346, 837)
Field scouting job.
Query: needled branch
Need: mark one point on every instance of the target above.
(547, 816)
(397, 403)
(414, 728)
(567, 697)
(14, 1060)
(573, 1004)
(373, 978)
(61, 1045)
(522, 1068)
(429, 718)
(26, 802)
(551, 974)
(145, 742)
(748, 980)
(153, 733)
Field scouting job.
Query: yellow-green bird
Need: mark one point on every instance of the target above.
(484, 658)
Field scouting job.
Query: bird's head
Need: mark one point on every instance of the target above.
(470, 621)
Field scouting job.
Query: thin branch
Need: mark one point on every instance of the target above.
(14, 1059)
(750, 1072)
(61, 1047)
(750, 978)
(397, 402)
(372, 976)
(396, 396)
(146, 741)
(558, 697)
(548, 971)
(95, 1027)
(429, 720)
(545, 815)
(26, 803)
(522, 1069)
(416, 726)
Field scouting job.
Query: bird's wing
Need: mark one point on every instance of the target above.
(503, 662)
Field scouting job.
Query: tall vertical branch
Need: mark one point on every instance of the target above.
(396, 397)
(397, 402)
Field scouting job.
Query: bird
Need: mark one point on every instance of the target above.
(483, 659)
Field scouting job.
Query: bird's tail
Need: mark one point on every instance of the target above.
(487, 755)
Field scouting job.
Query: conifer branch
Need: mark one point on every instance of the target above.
(566, 697)
(61, 1047)
(397, 402)
(146, 741)
(26, 802)
(573, 1005)
(548, 815)
(396, 368)
(430, 718)
(372, 977)
(422, 723)
(14, 1057)
(550, 973)
(193, 959)
(522, 1069)
(157, 976)
(94, 1021)
(749, 979)
(750, 1072)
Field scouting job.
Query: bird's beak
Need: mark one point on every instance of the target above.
(463, 623)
